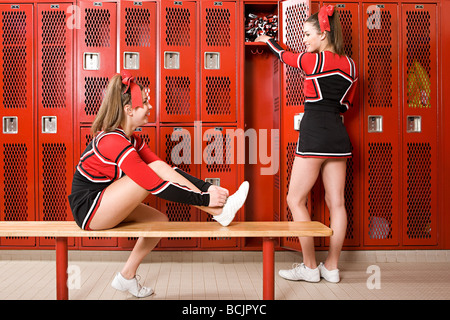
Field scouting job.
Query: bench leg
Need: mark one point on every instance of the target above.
(268, 269)
(62, 292)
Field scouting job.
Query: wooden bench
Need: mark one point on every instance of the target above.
(61, 230)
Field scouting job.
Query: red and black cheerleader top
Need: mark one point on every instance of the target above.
(111, 155)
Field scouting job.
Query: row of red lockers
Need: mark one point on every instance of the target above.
(385, 170)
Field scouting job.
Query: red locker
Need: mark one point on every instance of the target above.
(218, 61)
(219, 167)
(177, 149)
(261, 111)
(54, 112)
(381, 125)
(17, 150)
(419, 129)
(178, 71)
(96, 56)
(138, 39)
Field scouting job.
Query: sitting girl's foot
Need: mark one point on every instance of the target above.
(132, 286)
(233, 204)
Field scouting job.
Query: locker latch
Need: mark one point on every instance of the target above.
(91, 61)
(413, 124)
(212, 60)
(297, 119)
(131, 60)
(171, 60)
(10, 125)
(49, 124)
(213, 181)
(375, 124)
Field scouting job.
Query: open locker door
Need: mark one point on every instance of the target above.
(349, 17)
(292, 13)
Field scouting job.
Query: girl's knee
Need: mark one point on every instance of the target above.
(294, 201)
(162, 217)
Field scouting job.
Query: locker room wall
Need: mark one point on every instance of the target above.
(396, 182)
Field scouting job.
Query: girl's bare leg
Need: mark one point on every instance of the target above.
(143, 246)
(333, 175)
(303, 177)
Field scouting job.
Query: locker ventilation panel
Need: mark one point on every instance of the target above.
(54, 177)
(218, 27)
(218, 162)
(14, 57)
(294, 42)
(349, 194)
(179, 212)
(53, 77)
(98, 28)
(15, 182)
(174, 158)
(53, 27)
(419, 191)
(380, 193)
(178, 95)
(218, 95)
(178, 27)
(346, 18)
(145, 82)
(418, 37)
(54, 59)
(145, 137)
(137, 27)
(380, 62)
(290, 154)
(94, 90)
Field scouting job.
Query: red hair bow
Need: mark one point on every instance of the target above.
(324, 13)
(135, 90)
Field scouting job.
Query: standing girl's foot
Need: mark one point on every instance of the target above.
(329, 275)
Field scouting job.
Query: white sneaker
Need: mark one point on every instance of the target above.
(301, 272)
(233, 204)
(329, 275)
(132, 286)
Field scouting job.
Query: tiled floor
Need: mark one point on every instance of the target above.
(226, 275)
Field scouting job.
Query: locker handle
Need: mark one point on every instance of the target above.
(375, 124)
(212, 60)
(49, 124)
(214, 181)
(413, 124)
(10, 125)
(171, 60)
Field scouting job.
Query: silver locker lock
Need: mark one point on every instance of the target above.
(131, 60)
(91, 61)
(10, 125)
(212, 60)
(413, 124)
(49, 124)
(213, 181)
(297, 119)
(375, 124)
(171, 60)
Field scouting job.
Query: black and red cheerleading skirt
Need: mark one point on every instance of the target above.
(323, 135)
(85, 199)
